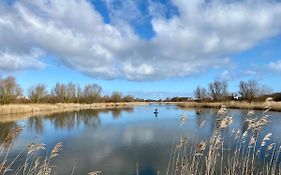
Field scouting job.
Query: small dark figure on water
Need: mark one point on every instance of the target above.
(198, 111)
(155, 112)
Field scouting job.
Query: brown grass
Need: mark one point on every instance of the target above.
(275, 106)
(33, 163)
(14, 111)
(253, 152)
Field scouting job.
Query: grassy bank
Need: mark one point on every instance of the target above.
(275, 106)
(33, 109)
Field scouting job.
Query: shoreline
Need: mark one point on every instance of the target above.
(11, 111)
(274, 106)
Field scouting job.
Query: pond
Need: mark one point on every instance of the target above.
(124, 141)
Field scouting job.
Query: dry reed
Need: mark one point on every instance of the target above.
(251, 154)
(14, 111)
(33, 163)
(275, 106)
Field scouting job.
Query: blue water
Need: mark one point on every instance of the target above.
(122, 141)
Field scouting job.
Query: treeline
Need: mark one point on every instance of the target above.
(248, 91)
(11, 92)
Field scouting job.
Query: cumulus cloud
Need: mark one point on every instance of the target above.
(201, 36)
(12, 61)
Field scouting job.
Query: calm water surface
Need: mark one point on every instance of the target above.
(118, 141)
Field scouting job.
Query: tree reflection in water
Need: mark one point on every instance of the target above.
(71, 120)
(5, 129)
(36, 123)
(116, 112)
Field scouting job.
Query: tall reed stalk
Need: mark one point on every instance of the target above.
(34, 163)
(253, 153)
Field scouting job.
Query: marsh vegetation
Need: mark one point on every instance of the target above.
(126, 141)
(245, 151)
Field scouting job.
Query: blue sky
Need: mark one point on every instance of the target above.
(148, 48)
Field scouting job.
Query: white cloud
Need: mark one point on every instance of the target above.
(275, 66)
(201, 37)
(250, 72)
(12, 61)
(226, 75)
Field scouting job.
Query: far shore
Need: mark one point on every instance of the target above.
(274, 106)
(11, 111)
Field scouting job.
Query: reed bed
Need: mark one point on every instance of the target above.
(59, 107)
(37, 160)
(252, 153)
(275, 106)
(35, 163)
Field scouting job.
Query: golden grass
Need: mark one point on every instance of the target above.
(16, 111)
(253, 152)
(275, 106)
(33, 163)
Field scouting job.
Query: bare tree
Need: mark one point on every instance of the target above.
(70, 92)
(218, 90)
(248, 90)
(265, 90)
(251, 90)
(92, 93)
(200, 93)
(128, 98)
(60, 92)
(37, 93)
(116, 97)
(79, 93)
(9, 90)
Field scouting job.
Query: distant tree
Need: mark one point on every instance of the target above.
(248, 90)
(200, 93)
(9, 90)
(179, 99)
(116, 97)
(79, 93)
(37, 93)
(59, 92)
(265, 90)
(128, 98)
(92, 93)
(71, 92)
(251, 90)
(168, 99)
(218, 90)
(106, 99)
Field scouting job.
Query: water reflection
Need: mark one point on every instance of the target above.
(113, 141)
(116, 112)
(35, 123)
(64, 120)
(71, 120)
(5, 129)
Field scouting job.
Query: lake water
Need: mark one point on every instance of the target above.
(122, 141)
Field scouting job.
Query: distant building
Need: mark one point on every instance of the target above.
(237, 97)
(22, 97)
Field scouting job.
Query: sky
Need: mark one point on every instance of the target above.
(147, 48)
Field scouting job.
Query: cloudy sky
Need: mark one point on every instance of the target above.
(151, 48)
